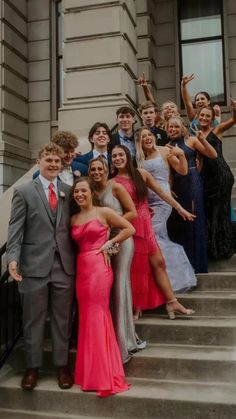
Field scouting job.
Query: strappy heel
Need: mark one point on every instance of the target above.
(137, 314)
(171, 310)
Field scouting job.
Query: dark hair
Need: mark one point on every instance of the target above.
(74, 208)
(207, 96)
(134, 174)
(94, 128)
(125, 110)
(210, 107)
(65, 139)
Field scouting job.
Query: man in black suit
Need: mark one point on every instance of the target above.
(124, 136)
(148, 112)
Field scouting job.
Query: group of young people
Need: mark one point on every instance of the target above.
(134, 220)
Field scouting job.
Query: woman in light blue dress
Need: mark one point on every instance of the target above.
(158, 161)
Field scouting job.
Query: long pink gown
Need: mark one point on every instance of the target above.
(98, 363)
(145, 293)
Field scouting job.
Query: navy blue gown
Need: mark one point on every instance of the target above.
(189, 191)
(218, 181)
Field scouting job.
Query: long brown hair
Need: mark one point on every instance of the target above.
(74, 207)
(134, 174)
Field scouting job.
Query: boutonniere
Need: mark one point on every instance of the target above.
(77, 173)
(62, 194)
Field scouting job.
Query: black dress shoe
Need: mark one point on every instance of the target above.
(29, 380)
(64, 377)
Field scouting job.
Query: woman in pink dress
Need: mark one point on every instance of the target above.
(151, 286)
(98, 362)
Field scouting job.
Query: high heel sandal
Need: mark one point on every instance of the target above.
(137, 315)
(171, 310)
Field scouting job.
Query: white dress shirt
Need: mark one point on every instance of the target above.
(45, 182)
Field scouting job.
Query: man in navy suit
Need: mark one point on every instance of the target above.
(124, 136)
(99, 138)
(148, 112)
(71, 167)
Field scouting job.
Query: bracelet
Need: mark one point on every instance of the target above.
(108, 245)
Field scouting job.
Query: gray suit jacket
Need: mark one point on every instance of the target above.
(33, 236)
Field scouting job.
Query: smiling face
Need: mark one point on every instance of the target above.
(49, 165)
(147, 140)
(169, 109)
(82, 194)
(174, 129)
(100, 138)
(125, 122)
(68, 156)
(119, 158)
(205, 117)
(97, 171)
(148, 116)
(201, 100)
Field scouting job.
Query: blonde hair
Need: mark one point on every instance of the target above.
(163, 105)
(140, 156)
(177, 119)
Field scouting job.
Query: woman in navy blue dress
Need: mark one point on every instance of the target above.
(189, 193)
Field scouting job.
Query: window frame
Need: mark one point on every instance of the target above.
(221, 37)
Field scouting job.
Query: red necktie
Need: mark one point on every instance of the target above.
(52, 197)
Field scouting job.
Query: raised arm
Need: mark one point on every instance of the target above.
(201, 144)
(126, 202)
(223, 126)
(141, 81)
(155, 186)
(191, 112)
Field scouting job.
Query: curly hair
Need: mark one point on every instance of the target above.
(50, 148)
(65, 139)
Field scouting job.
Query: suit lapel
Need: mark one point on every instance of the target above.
(40, 190)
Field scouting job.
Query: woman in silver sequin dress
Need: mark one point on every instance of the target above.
(115, 196)
(158, 161)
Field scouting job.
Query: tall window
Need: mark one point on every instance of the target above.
(201, 46)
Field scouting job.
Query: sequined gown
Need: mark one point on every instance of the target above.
(145, 293)
(218, 181)
(179, 269)
(121, 296)
(98, 363)
(189, 191)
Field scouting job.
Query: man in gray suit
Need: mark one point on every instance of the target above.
(40, 257)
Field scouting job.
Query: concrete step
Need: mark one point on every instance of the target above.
(224, 265)
(188, 330)
(206, 303)
(216, 281)
(221, 303)
(232, 164)
(179, 362)
(162, 361)
(146, 399)
(23, 414)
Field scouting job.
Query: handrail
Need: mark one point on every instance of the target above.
(10, 313)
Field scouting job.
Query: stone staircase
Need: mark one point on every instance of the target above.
(188, 370)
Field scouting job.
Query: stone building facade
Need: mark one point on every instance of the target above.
(70, 63)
